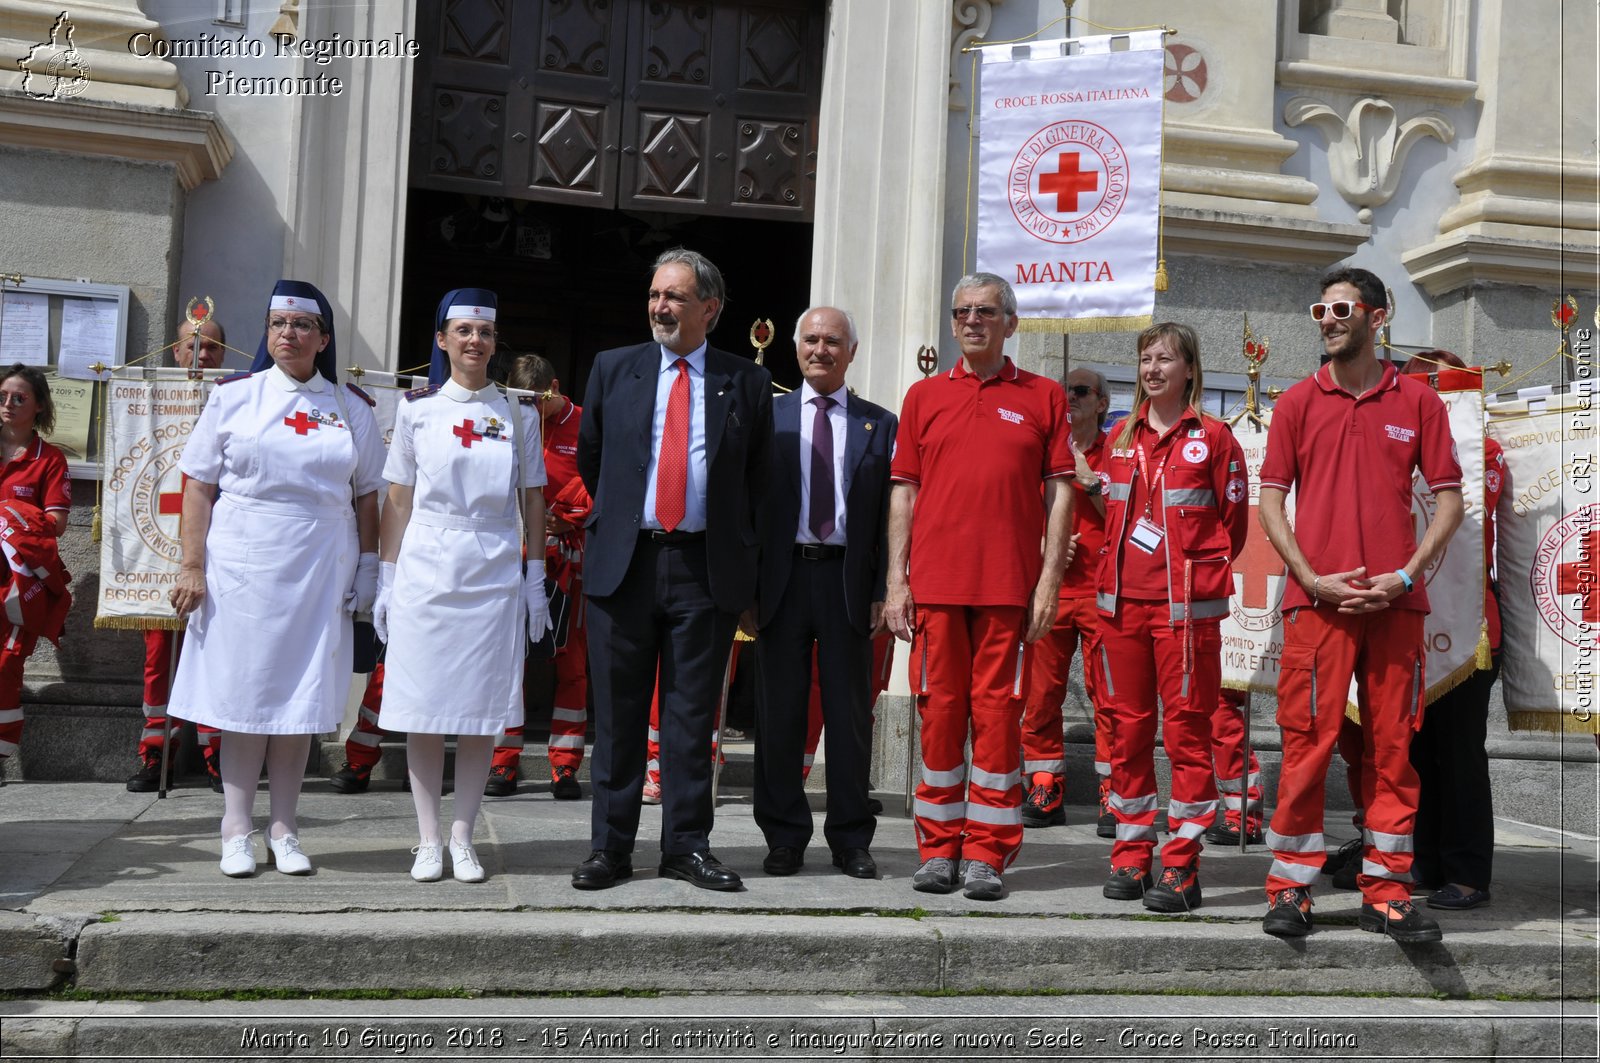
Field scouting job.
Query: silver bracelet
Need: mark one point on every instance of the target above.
(1316, 591)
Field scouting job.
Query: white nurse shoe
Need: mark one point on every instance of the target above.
(239, 856)
(464, 863)
(287, 855)
(429, 865)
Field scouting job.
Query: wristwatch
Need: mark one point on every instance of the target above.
(1094, 488)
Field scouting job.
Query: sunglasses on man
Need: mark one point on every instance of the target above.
(1340, 309)
(1081, 391)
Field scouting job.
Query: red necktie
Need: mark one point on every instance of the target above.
(672, 468)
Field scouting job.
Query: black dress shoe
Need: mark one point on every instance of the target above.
(783, 860)
(857, 863)
(701, 869)
(604, 869)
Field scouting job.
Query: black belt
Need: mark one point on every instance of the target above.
(670, 537)
(817, 551)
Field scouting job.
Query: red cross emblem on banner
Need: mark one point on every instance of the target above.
(464, 432)
(1255, 563)
(1581, 577)
(1067, 182)
(300, 423)
(169, 503)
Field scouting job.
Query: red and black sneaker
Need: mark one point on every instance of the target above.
(1178, 891)
(564, 784)
(1106, 825)
(1289, 913)
(351, 779)
(1226, 832)
(1043, 806)
(1126, 884)
(502, 781)
(147, 780)
(1400, 920)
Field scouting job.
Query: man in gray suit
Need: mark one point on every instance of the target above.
(823, 550)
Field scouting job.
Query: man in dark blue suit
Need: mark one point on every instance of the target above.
(673, 450)
(823, 551)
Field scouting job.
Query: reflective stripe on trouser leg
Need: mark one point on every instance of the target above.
(1227, 755)
(12, 659)
(1128, 665)
(361, 748)
(975, 677)
(569, 719)
(508, 750)
(1391, 710)
(1318, 655)
(1186, 709)
(1042, 738)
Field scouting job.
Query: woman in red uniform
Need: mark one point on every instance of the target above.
(1176, 514)
(36, 473)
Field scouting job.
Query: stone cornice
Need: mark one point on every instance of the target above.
(1501, 254)
(193, 141)
(1257, 237)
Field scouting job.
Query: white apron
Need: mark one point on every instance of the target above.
(456, 641)
(269, 649)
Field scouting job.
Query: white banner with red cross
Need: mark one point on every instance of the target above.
(146, 424)
(1547, 568)
(1252, 636)
(1069, 179)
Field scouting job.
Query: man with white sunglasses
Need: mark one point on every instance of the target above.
(1346, 440)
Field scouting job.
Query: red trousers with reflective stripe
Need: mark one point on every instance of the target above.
(1143, 656)
(1043, 749)
(361, 748)
(1322, 651)
(569, 713)
(969, 675)
(1235, 779)
(13, 656)
(157, 688)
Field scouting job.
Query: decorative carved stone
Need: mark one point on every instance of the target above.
(567, 155)
(467, 134)
(677, 43)
(1367, 149)
(771, 164)
(1185, 74)
(771, 51)
(576, 37)
(671, 157)
(969, 22)
(475, 29)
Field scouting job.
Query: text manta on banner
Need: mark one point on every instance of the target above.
(1069, 180)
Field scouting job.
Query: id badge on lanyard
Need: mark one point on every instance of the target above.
(1147, 534)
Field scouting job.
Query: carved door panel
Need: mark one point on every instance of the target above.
(720, 115)
(707, 108)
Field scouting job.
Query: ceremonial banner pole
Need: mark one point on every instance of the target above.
(1255, 353)
(927, 359)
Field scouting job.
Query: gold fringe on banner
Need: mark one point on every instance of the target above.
(140, 623)
(1552, 722)
(1161, 275)
(1065, 325)
(94, 525)
(1484, 658)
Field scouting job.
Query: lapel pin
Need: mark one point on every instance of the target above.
(869, 426)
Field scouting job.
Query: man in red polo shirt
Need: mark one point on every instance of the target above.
(1347, 440)
(564, 562)
(979, 470)
(1077, 623)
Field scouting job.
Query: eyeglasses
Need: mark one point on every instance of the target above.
(1082, 391)
(15, 399)
(961, 313)
(1339, 308)
(301, 325)
(466, 332)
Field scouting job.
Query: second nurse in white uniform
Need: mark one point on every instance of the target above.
(452, 599)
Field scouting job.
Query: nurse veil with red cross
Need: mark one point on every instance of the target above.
(279, 548)
(451, 598)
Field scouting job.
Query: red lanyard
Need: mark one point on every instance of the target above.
(1151, 486)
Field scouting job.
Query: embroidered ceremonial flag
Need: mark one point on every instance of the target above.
(1546, 559)
(1455, 627)
(147, 423)
(1069, 179)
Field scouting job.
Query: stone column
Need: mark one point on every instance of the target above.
(880, 223)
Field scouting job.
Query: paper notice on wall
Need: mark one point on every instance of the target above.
(88, 336)
(25, 328)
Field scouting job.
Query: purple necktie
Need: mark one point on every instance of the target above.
(821, 515)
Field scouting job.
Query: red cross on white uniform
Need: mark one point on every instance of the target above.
(300, 423)
(465, 433)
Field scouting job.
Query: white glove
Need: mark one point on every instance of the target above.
(533, 597)
(380, 604)
(364, 588)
